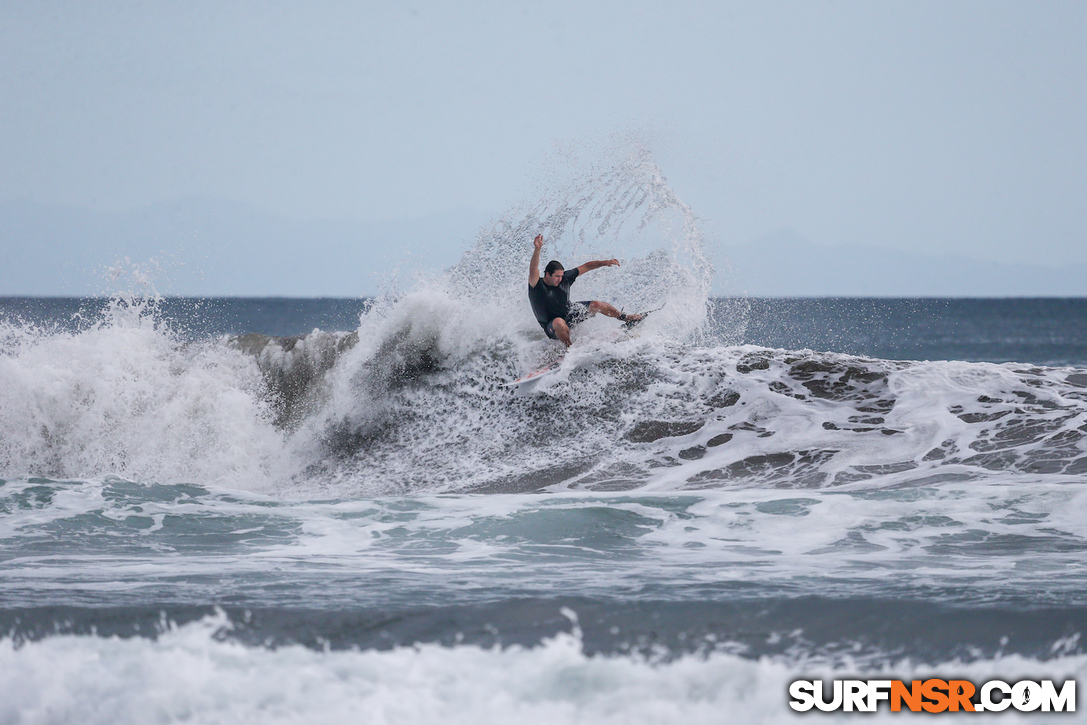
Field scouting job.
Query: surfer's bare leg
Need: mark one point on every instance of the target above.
(562, 330)
(609, 311)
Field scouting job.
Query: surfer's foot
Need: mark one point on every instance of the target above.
(630, 321)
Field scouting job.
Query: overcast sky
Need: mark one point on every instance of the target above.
(932, 126)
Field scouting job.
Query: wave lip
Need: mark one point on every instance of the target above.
(126, 396)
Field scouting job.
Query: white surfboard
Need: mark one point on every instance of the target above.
(525, 383)
(536, 375)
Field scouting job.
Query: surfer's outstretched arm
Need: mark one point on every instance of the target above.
(597, 264)
(534, 265)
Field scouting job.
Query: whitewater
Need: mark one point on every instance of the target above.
(366, 524)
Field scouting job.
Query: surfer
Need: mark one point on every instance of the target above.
(550, 296)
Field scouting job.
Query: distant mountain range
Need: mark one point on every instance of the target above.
(787, 265)
(211, 247)
(207, 247)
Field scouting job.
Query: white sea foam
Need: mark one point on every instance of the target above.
(182, 545)
(125, 396)
(188, 675)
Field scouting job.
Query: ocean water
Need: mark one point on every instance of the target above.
(296, 511)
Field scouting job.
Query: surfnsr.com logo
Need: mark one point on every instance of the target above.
(934, 696)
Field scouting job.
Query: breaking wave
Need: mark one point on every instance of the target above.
(414, 400)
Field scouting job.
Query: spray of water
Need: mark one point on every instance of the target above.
(599, 206)
(423, 383)
(124, 395)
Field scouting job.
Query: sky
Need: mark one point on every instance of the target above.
(932, 127)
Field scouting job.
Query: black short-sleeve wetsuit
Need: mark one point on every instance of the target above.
(550, 302)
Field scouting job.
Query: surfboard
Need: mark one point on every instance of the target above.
(536, 375)
(631, 324)
(526, 382)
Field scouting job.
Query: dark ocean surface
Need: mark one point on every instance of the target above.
(1040, 331)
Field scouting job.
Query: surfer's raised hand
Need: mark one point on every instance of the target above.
(534, 264)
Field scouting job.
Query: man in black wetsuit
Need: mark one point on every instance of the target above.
(550, 296)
